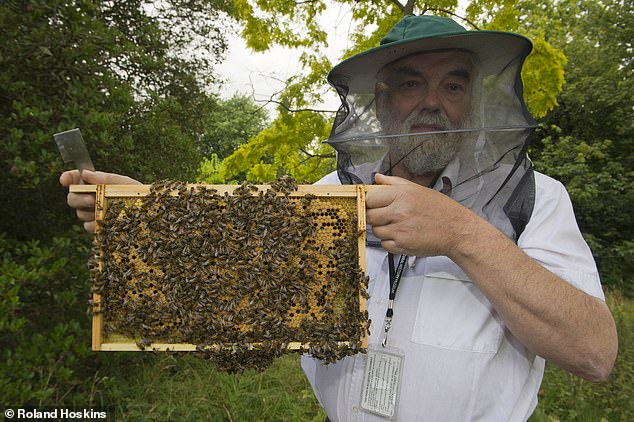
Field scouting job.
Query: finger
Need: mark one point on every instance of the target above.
(378, 217)
(86, 215)
(70, 177)
(384, 233)
(388, 241)
(81, 200)
(89, 226)
(103, 178)
(379, 197)
(382, 179)
(391, 246)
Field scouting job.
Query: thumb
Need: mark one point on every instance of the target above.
(382, 179)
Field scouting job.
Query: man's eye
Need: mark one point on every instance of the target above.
(454, 87)
(410, 84)
(411, 88)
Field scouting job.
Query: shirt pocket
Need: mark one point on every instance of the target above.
(452, 313)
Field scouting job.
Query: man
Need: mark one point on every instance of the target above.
(497, 277)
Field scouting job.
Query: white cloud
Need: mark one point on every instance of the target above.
(263, 74)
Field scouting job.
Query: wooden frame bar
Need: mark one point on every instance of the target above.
(105, 192)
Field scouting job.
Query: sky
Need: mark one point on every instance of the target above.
(262, 74)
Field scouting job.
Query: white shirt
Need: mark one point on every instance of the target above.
(461, 362)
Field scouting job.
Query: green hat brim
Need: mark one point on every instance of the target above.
(495, 51)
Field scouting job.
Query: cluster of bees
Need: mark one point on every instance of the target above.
(238, 275)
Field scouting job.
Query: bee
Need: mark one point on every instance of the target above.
(206, 251)
(143, 343)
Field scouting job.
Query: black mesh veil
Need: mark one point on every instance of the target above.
(489, 170)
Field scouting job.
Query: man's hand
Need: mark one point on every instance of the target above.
(84, 203)
(414, 220)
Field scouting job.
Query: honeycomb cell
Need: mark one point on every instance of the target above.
(255, 269)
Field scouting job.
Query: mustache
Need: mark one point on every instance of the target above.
(422, 152)
(436, 120)
(424, 118)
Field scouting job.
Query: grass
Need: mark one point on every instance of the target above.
(160, 387)
(564, 397)
(184, 388)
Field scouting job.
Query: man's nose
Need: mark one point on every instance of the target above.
(430, 100)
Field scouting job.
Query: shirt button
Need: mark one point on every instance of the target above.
(355, 409)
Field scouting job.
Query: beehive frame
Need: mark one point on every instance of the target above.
(353, 195)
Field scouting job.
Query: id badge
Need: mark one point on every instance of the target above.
(382, 381)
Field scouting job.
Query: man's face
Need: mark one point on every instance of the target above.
(423, 93)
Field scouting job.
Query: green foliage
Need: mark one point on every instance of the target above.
(380, 16)
(280, 22)
(211, 171)
(564, 397)
(126, 74)
(503, 15)
(230, 123)
(596, 102)
(543, 77)
(185, 388)
(600, 187)
(543, 72)
(112, 69)
(587, 141)
(43, 325)
(290, 145)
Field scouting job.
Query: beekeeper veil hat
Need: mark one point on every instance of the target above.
(484, 166)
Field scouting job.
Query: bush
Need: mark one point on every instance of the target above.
(566, 397)
(45, 358)
(183, 387)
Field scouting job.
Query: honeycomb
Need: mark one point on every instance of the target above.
(261, 269)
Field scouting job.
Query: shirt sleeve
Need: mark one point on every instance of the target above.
(553, 239)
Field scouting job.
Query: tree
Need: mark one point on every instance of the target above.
(587, 141)
(116, 71)
(295, 25)
(229, 124)
(290, 145)
(121, 71)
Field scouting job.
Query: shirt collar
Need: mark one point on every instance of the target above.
(446, 181)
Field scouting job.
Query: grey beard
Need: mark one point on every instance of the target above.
(423, 153)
